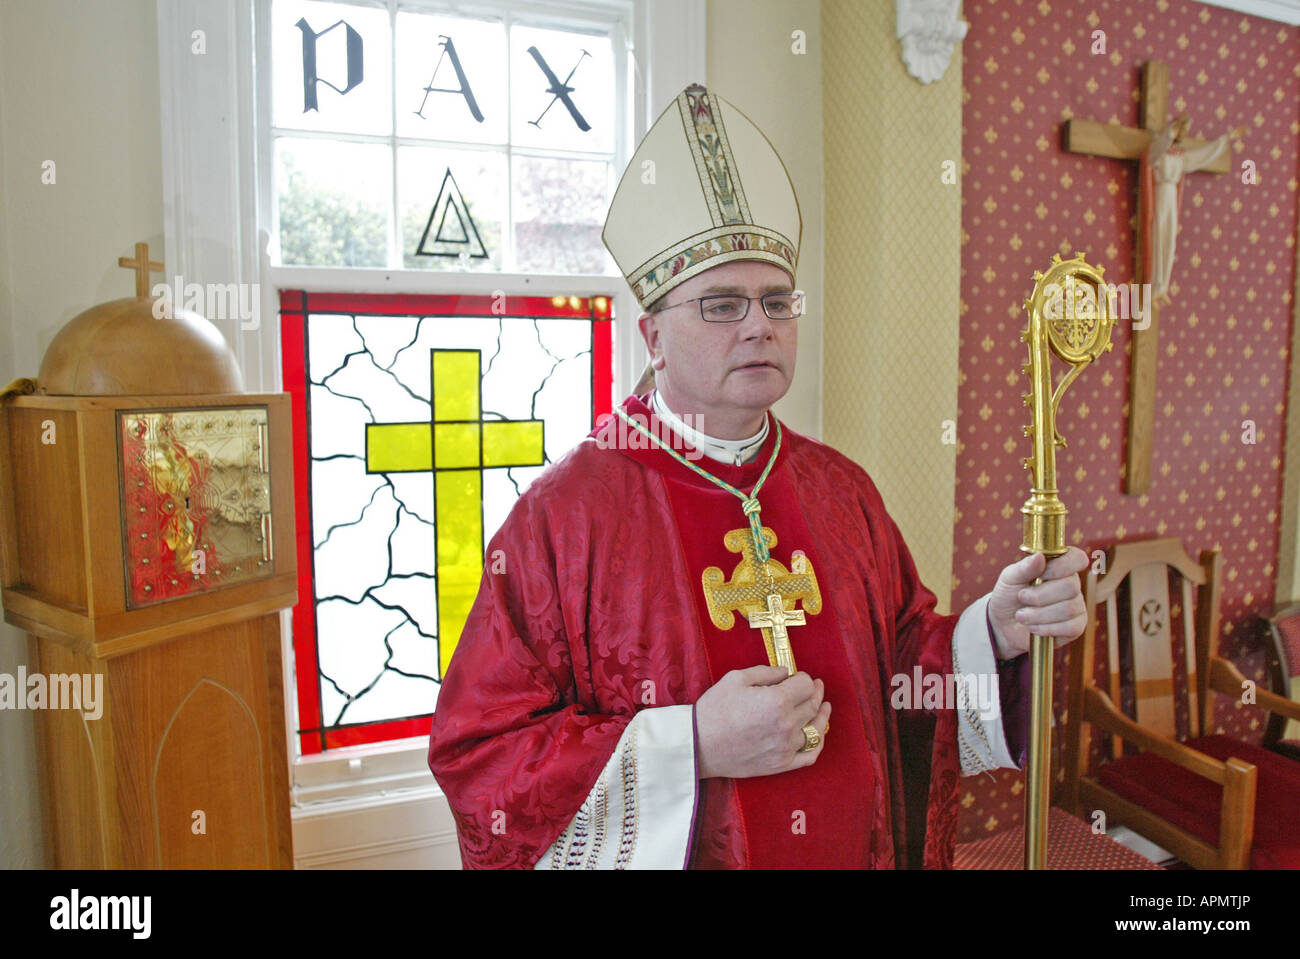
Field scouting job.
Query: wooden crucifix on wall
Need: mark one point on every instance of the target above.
(1166, 154)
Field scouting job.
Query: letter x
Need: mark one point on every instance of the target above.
(560, 90)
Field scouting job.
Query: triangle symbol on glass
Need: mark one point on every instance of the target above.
(450, 230)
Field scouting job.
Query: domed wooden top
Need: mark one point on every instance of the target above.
(119, 347)
(125, 347)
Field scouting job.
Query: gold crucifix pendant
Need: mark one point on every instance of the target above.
(766, 594)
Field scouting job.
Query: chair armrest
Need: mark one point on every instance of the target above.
(1236, 777)
(1101, 712)
(1226, 678)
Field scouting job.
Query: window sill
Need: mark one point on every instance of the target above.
(376, 773)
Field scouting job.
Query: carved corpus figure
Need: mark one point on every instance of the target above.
(1164, 164)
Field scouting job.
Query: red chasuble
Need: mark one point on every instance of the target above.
(601, 612)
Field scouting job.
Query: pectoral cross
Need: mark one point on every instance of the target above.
(1127, 143)
(765, 593)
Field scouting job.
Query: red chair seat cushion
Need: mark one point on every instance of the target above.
(1192, 802)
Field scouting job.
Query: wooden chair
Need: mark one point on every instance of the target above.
(1213, 801)
(1281, 637)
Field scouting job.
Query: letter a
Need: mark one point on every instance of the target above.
(449, 50)
(59, 912)
(932, 692)
(901, 697)
(309, 77)
(1053, 302)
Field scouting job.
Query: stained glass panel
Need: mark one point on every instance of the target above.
(423, 419)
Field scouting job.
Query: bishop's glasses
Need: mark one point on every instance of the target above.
(731, 308)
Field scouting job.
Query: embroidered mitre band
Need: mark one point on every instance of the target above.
(704, 188)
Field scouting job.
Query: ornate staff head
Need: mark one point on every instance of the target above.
(1069, 315)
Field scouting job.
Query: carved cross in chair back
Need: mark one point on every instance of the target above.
(1142, 614)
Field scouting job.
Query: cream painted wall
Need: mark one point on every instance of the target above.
(78, 86)
(893, 267)
(751, 63)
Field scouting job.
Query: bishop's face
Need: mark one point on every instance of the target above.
(728, 374)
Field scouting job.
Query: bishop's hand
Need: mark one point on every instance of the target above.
(750, 722)
(1055, 607)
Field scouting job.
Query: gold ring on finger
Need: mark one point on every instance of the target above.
(811, 738)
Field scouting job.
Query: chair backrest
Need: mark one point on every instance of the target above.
(1143, 613)
(1282, 640)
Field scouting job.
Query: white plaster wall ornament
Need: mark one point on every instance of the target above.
(930, 30)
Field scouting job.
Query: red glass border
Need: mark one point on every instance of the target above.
(295, 305)
(428, 304)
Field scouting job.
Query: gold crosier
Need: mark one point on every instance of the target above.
(1069, 315)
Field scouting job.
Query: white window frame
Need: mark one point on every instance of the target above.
(216, 218)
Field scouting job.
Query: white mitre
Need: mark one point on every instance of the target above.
(704, 188)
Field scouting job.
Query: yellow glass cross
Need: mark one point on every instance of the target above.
(456, 445)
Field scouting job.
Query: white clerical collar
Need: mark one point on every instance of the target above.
(731, 452)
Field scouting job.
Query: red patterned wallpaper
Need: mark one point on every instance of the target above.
(1223, 342)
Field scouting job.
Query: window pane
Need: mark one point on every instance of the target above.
(352, 64)
(428, 50)
(559, 211)
(333, 200)
(463, 213)
(540, 116)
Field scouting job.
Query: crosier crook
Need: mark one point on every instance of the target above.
(1069, 315)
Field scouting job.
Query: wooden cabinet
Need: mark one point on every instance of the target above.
(148, 544)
